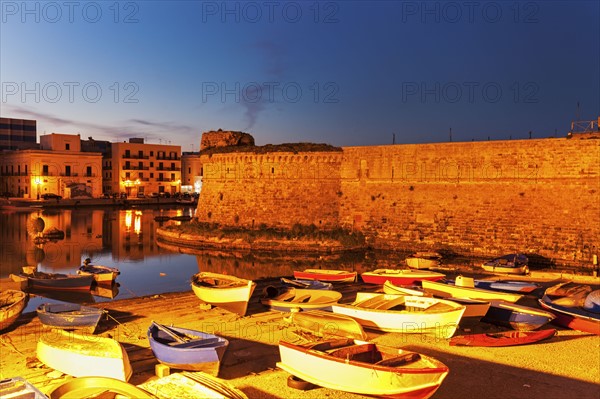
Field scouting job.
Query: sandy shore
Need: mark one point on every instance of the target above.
(565, 366)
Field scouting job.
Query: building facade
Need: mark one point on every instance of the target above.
(138, 169)
(18, 134)
(59, 167)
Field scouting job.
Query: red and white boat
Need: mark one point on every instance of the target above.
(343, 276)
(505, 338)
(363, 368)
(400, 276)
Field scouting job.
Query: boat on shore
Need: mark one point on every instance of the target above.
(363, 368)
(399, 276)
(518, 317)
(456, 291)
(12, 303)
(575, 306)
(404, 314)
(104, 275)
(475, 309)
(295, 299)
(506, 285)
(320, 323)
(339, 276)
(423, 260)
(186, 349)
(306, 284)
(511, 264)
(69, 316)
(227, 292)
(505, 338)
(84, 356)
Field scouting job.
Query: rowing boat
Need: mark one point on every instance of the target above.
(227, 292)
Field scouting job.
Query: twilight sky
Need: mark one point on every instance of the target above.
(344, 73)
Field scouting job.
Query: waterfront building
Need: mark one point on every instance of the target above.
(191, 172)
(57, 167)
(18, 134)
(138, 169)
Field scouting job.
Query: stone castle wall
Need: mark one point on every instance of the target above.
(277, 189)
(485, 198)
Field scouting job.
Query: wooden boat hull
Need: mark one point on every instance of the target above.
(60, 282)
(474, 309)
(340, 276)
(19, 388)
(399, 276)
(202, 354)
(292, 299)
(84, 355)
(446, 290)
(227, 292)
(420, 315)
(356, 368)
(575, 318)
(102, 274)
(507, 338)
(192, 385)
(520, 318)
(421, 263)
(12, 303)
(69, 316)
(510, 264)
(321, 324)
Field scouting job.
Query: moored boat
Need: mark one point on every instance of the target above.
(423, 260)
(446, 290)
(306, 284)
(505, 338)
(227, 292)
(518, 317)
(69, 316)
(192, 385)
(12, 303)
(404, 314)
(104, 275)
(399, 276)
(570, 304)
(59, 282)
(84, 356)
(186, 349)
(340, 276)
(294, 299)
(363, 368)
(511, 264)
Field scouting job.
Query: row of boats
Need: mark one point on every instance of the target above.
(414, 301)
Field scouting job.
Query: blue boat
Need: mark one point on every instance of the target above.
(306, 284)
(518, 317)
(185, 349)
(69, 316)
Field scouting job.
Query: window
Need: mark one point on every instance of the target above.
(151, 153)
(88, 171)
(141, 154)
(151, 175)
(172, 176)
(127, 154)
(127, 176)
(141, 176)
(67, 146)
(151, 164)
(172, 165)
(68, 170)
(44, 170)
(189, 170)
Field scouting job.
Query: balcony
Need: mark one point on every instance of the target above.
(165, 179)
(168, 158)
(133, 156)
(131, 167)
(168, 169)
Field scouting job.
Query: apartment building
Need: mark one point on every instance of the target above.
(18, 134)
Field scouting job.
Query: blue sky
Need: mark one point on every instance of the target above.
(344, 73)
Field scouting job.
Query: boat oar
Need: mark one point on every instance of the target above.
(169, 332)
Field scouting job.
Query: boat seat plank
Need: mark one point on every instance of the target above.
(195, 343)
(401, 360)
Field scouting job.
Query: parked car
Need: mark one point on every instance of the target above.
(141, 195)
(49, 196)
(165, 194)
(154, 195)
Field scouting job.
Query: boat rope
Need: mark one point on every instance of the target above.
(7, 341)
(128, 333)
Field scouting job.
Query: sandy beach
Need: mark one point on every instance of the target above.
(564, 366)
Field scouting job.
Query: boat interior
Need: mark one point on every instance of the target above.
(366, 353)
